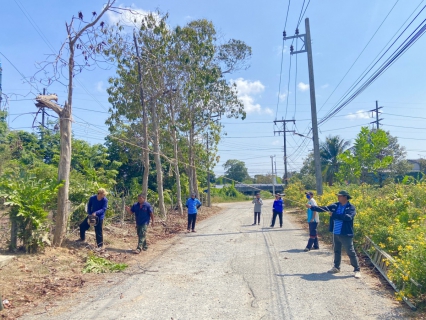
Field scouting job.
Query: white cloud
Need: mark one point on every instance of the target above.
(128, 15)
(360, 114)
(276, 143)
(282, 96)
(324, 86)
(100, 87)
(303, 86)
(247, 90)
(281, 50)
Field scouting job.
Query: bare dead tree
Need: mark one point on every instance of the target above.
(84, 45)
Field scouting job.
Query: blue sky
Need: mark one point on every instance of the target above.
(340, 31)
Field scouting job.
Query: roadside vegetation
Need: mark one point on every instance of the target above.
(390, 203)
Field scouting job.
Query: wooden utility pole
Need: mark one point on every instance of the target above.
(306, 39)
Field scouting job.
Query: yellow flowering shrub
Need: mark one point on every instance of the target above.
(393, 217)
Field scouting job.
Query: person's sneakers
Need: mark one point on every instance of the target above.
(253, 224)
(357, 274)
(281, 226)
(188, 231)
(194, 231)
(144, 249)
(306, 250)
(80, 240)
(271, 226)
(315, 249)
(333, 270)
(137, 251)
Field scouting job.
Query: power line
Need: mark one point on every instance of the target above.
(411, 39)
(282, 59)
(365, 47)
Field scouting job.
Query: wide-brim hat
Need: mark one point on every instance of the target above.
(344, 193)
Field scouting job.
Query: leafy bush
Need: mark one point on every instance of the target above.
(29, 199)
(95, 264)
(227, 193)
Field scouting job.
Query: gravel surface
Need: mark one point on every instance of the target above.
(230, 269)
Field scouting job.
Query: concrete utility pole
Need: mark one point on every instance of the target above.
(284, 130)
(306, 38)
(376, 110)
(273, 180)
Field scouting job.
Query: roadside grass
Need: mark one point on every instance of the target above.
(33, 280)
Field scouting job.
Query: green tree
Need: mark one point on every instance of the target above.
(236, 170)
(366, 157)
(330, 149)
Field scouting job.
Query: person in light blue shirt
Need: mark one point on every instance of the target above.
(193, 204)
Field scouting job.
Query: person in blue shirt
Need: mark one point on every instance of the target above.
(342, 214)
(143, 214)
(193, 204)
(96, 207)
(277, 209)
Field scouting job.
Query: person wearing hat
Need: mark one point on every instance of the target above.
(277, 209)
(313, 220)
(96, 207)
(193, 204)
(258, 203)
(342, 214)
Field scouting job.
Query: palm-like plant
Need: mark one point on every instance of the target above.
(329, 151)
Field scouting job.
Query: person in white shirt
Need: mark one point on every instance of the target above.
(313, 220)
(257, 208)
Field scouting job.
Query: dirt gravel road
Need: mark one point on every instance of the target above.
(230, 269)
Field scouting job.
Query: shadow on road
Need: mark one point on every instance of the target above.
(293, 251)
(230, 233)
(316, 276)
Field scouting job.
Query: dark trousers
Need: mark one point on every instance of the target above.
(274, 216)
(313, 236)
(84, 226)
(348, 244)
(257, 215)
(192, 218)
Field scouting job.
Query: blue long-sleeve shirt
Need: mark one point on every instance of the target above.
(278, 205)
(98, 207)
(192, 205)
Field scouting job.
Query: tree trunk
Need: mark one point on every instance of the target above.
(145, 156)
(145, 153)
(158, 161)
(13, 234)
(176, 163)
(63, 175)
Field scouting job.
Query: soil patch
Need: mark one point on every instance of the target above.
(33, 280)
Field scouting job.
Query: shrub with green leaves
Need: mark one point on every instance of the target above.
(29, 199)
(95, 264)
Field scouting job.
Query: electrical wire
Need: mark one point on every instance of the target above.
(359, 55)
(411, 39)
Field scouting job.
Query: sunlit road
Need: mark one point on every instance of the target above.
(232, 270)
